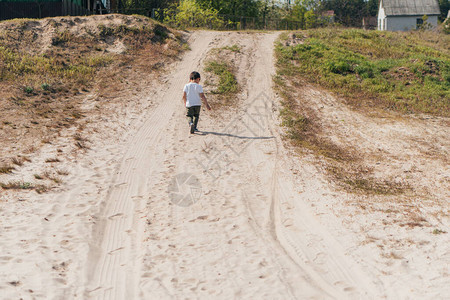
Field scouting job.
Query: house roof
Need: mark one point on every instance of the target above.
(411, 7)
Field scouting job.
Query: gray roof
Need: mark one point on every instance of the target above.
(411, 7)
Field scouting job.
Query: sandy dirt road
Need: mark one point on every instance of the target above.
(152, 212)
(247, 235)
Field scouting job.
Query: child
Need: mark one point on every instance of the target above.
(192, 97)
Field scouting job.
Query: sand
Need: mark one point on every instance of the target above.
(253, 220)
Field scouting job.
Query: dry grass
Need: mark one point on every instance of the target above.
(344, 164)
(52, 160)
(17, 185)
(17, 161)
(44, 84)
(62, 172)
(6, 169)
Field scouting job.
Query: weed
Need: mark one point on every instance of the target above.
(438, 231)
(100, 61)
(28, 89)
(62, 172)
(81, 145)
(17, 185)
(234, 48)
(25, 158)
(45, 87)
(52, 160)
(5, 169)
(79, 138)
(55, 179)
(105, 31)
(39, 177)
(17, 161)
(41, 189)
(61, 38)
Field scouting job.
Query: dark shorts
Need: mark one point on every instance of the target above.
(193, 111)
(193, 114)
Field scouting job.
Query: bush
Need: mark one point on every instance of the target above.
(189, 14)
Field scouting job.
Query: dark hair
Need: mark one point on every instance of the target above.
(194, 75)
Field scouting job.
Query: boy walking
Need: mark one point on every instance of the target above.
(192, 97)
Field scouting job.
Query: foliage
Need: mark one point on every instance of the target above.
(425, 24)
(247, 8)
(348, 12)
(407, 72)
(190, 14)
(140, 6)
(311, 20)
(446, 26)
(372, 8)
(444, 6)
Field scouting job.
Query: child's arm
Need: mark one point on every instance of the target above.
(184, 98)
(202, 95)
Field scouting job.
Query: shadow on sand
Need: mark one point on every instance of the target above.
(234, 136)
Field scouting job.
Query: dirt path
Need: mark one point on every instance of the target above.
(152, 212)
(247, 235)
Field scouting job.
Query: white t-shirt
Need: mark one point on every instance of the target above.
(193, 91)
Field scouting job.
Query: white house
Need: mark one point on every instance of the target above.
(404, 15)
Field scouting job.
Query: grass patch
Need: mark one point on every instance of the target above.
(357, 179)
(343, 164)
(17, 185)
(227, 80)
(408, 72)
(221, 66)
(234, 48)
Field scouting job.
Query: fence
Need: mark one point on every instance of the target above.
(38, 9)
(10, 10)
(232, 22)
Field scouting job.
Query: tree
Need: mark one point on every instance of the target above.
(310, 19)
(247, 8)
(347, 12)
(444, 5)
(146, 5)
(372, 8)
(190, 14)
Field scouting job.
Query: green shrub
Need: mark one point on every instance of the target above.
(190, 14)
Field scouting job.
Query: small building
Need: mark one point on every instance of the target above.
(404, 15)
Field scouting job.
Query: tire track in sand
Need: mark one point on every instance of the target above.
(114, 255)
